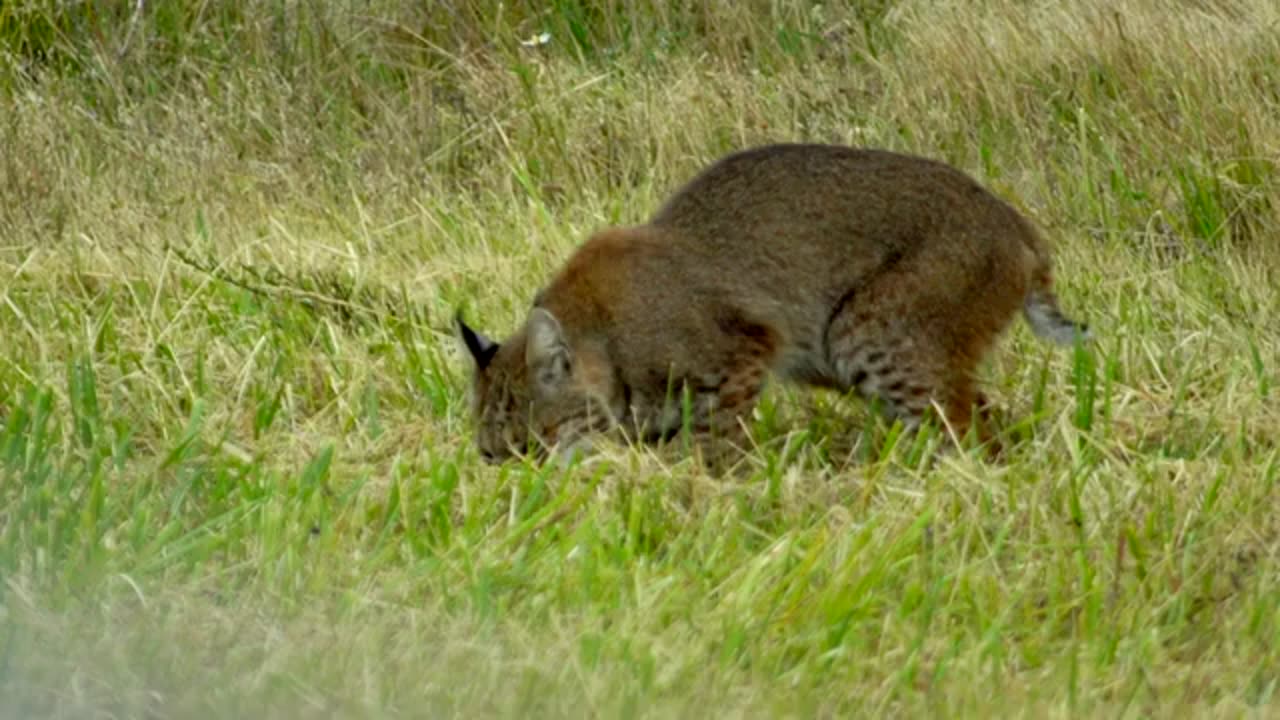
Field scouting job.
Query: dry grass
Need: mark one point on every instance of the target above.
(215, 503)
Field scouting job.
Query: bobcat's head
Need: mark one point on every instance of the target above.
(532, 393)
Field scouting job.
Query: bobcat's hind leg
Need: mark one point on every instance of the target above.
(910, 371)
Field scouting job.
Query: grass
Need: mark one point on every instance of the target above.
(215, 502)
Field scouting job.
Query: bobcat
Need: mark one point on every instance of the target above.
(829, 266)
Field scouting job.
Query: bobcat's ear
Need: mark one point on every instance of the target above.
(546, 353)
(481, 348)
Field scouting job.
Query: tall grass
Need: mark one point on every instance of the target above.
(215, 501)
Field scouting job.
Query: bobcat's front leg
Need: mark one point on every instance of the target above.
(728, 395)
(712, 410)
(717, 410)
(712, 398)
(720, 429)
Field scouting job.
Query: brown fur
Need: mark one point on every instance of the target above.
(828, 266)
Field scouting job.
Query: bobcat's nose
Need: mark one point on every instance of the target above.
(489, 456)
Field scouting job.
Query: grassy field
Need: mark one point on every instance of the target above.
(217, 501)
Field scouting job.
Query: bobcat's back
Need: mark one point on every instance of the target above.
(792, 230)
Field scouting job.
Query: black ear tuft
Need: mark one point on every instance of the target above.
(482, 349)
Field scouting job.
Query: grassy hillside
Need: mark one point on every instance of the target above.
(218, 503)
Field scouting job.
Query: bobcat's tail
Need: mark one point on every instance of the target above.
(1047, 321)
(1040, 307)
